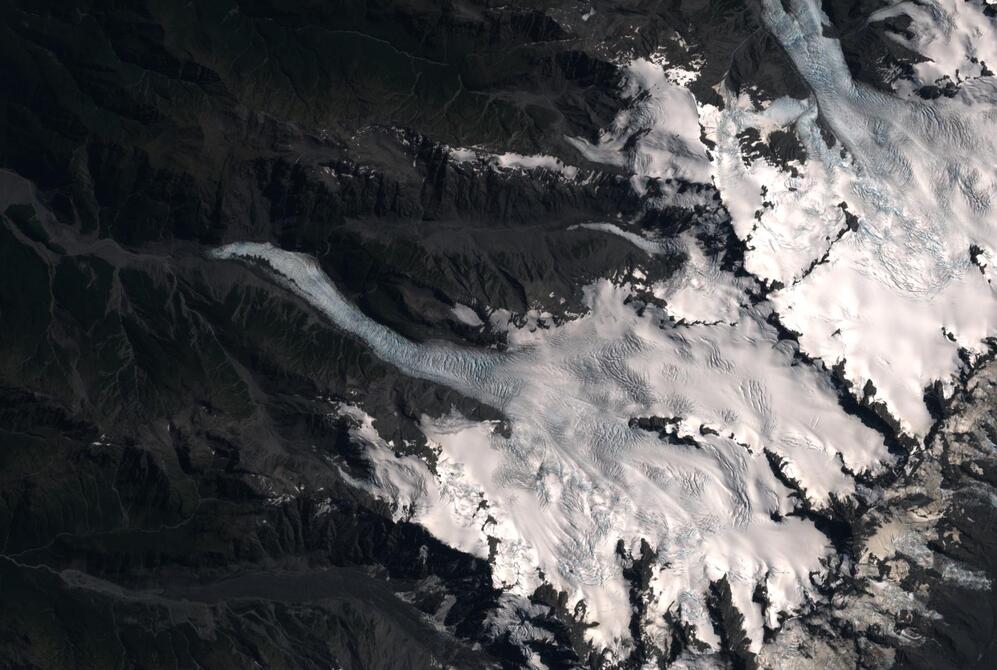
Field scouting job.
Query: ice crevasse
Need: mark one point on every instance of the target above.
(577, 472)
(625, 425)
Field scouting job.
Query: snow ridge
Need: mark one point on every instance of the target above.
(638, 422)
(898, 296)
(578, 473)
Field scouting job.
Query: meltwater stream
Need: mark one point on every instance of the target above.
(577, 474)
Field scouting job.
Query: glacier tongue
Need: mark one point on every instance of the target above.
(578, 473)
(897, 297)
(626, 425)
(658, 135)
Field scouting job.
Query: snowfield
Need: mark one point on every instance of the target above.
(896, 298)
(577, 473)
(683, 425)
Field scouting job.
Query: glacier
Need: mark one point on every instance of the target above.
(577, 474)
(896, 299)
(682, 424)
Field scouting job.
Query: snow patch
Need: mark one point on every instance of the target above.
(657, 135)
(513, 161)
(651, 247)
(467, 316)
(701, 291)
(955, 36)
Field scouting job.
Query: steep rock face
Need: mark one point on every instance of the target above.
(157, 125)
(188, 476)
(169, 449)
(163, 430)
(163, 123)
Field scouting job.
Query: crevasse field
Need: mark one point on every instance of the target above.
(891, 301)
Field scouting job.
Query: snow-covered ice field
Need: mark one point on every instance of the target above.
(892, 301)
